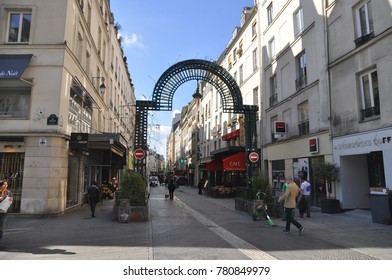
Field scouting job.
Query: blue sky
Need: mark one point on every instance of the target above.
(159, 33)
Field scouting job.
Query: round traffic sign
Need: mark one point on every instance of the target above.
(253, 157)
(139, 153)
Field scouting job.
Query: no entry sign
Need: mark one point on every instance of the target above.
(139, 153)
(253, 157)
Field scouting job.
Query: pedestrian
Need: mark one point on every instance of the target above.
(171, 186)
(284, 187)
(200, 186)
(94, 195)
(289, 197)
(5, 202)
(305, 195)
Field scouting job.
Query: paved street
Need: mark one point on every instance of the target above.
(195, 227)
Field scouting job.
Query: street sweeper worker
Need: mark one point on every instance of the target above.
(289, 197)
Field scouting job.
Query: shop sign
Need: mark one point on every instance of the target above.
(314, 145)
(369, 142)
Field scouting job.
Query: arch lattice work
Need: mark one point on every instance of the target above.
(196, 69)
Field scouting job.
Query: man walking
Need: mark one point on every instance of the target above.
(305, 193)
(94, 196)
(289, 197)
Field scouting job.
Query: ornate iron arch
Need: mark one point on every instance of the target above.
(197, 69)
(202, 70)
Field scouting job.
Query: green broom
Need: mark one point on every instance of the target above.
(269, 219)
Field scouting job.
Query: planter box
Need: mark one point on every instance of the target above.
(124, 212)
(330, 206)
(244, 205)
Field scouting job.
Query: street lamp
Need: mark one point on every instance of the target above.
(102, 87)
(197, 94)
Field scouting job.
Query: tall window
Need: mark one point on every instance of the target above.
(19, 27)
(369, 95)
(270, 14)
(254, 29)
(256, 96)
(303, 118)
(235, 55)
(241, 74)
(273, 120)
(254, 59)
(274, 90)
(298, 22)
(302, 79)
(364, 23)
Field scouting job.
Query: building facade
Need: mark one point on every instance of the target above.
(65, 93)
(296, 105)
(359, 43)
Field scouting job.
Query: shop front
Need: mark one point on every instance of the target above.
(364, 160)
(95, 158)
(227, 172)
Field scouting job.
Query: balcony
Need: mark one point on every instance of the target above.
(303, 128)
(363, 39)
(273, 99)
(301, 81)
(370, 112)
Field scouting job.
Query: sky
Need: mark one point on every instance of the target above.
(160, 33)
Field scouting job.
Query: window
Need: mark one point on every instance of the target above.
(19, 27)
(15, 102)
(235, 55)
(254, 60)
(273, 120)
(274, 91)
(271, 48)
(254, 29)
(303, 118)
(298, 22)
(364, 23)
(241, 74)
(256, 96)
(301, 80)
(270, 15)
(369, 95)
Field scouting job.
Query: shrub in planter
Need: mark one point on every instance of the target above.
(261, 183)
(133, 187)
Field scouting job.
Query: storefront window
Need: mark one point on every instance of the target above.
(14, 103)
(376, 170)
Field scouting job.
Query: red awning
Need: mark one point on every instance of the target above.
(235, 162)
(214, 165)
(231, 135)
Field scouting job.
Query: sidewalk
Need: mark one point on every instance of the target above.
(351, 229)
(77, 236)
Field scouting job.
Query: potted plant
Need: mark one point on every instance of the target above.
(132, 198)
(326, 173)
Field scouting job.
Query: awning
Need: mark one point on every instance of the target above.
(12, 66)
(231, 135)
(235, 162)
(214, 165)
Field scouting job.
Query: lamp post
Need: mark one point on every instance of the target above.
(102, 87)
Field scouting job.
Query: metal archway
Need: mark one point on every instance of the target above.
(202, 70)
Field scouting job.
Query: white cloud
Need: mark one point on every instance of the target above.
(133, 40)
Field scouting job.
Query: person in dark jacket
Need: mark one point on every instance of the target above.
(200, 186)
(94, 195)
(171, 186)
